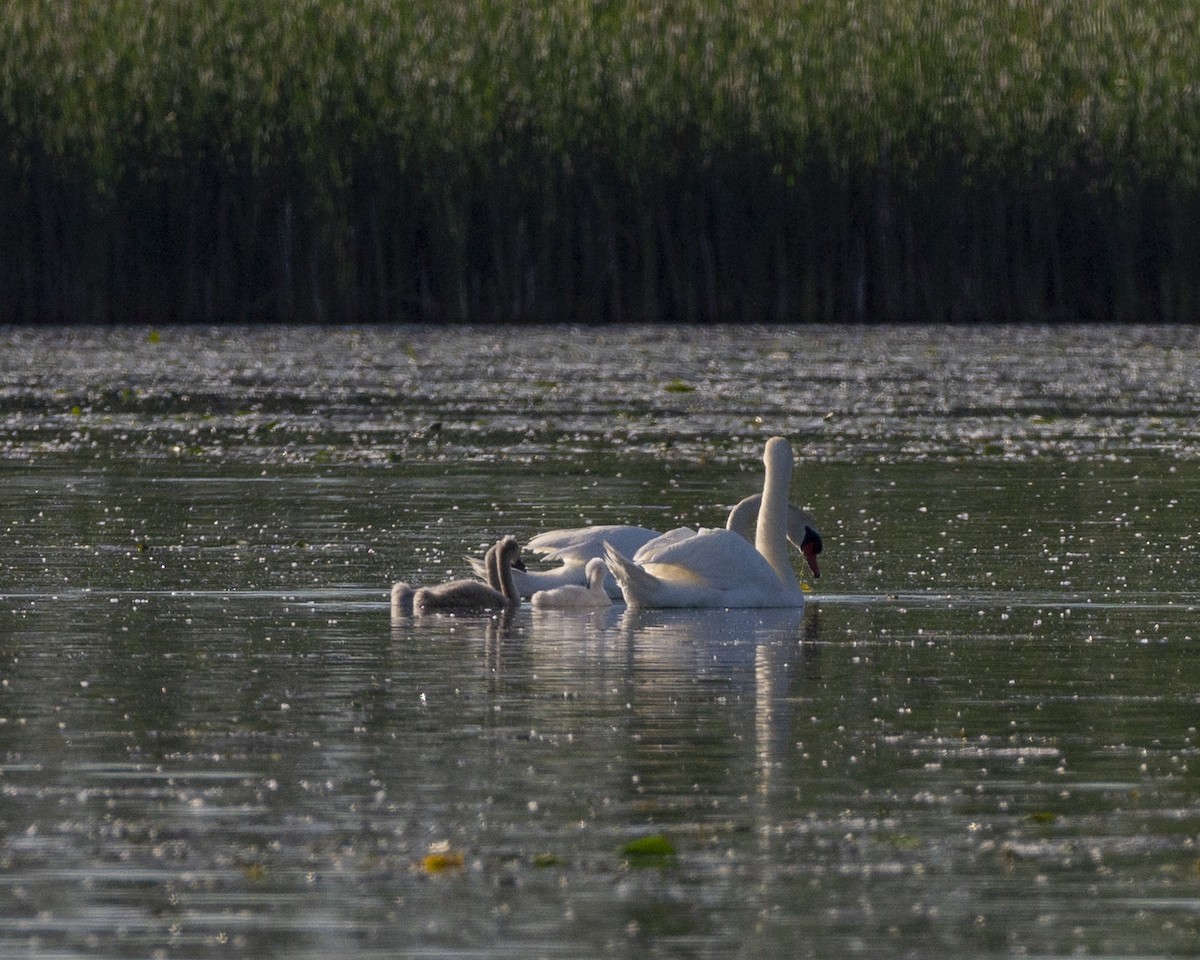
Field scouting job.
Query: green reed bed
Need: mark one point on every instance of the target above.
(599, 159)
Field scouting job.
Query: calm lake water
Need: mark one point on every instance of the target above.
(978, 739)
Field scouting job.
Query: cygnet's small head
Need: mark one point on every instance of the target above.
(595, 572)
(510, 552)
(402, 600)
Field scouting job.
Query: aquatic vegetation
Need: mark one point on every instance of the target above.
(780, 160)
(292, 396)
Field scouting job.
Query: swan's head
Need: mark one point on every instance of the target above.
(802, 534)
(595, 572)
(810, 546)
(778, 453)
(510, 552)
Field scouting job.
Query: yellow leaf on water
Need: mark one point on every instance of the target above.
(441, 858)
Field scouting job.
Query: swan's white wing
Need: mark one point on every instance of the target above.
(716, 558)
(681, 543)
(661, 542)
(583, 543)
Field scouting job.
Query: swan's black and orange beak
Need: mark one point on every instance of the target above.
(810, 546)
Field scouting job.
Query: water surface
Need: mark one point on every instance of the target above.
(979, 738)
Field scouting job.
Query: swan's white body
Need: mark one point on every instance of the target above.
(574, 597)
(465, 596)
(574, 547)
(719, 568)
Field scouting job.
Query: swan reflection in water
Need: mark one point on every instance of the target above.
(673, 680)
(667, 682)
(567, 644)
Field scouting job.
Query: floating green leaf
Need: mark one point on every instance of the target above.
(650, 848)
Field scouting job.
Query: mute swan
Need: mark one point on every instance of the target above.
(575, 546)
(574, 597)
(718, 568)
(465, 596)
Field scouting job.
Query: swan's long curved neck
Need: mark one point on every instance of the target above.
(500, 572)
(770, 536)
(491, 569)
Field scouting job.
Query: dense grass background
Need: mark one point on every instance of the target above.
(687, 160)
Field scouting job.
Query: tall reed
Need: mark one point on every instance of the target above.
(683, 160)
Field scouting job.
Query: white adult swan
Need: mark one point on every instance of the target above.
(466, 596)
(572, 596)
(718, 568)
(575, 546)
